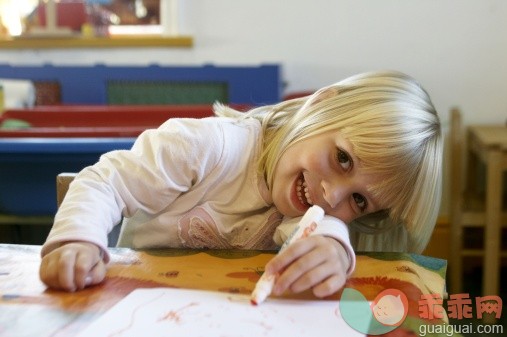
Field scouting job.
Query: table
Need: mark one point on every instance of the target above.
(27, 308)
(489, 144)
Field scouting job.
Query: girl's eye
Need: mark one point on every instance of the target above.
(360, 201)
(343, 159)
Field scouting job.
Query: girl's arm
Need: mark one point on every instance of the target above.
(162, 165)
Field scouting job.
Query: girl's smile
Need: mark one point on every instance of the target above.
(302, 193)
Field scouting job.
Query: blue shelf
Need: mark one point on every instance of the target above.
(29, 166)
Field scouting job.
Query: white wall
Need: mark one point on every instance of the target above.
(456, 48)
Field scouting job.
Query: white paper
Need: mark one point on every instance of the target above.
(176, 312)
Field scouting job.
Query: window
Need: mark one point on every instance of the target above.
(50, 18)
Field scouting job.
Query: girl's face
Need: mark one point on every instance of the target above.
(323, 170)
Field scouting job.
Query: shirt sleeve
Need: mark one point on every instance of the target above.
(328, 226)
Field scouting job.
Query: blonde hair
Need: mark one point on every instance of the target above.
(395, 132)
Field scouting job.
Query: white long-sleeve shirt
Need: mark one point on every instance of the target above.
(191, 183)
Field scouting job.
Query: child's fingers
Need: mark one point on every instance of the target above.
(311, 277)
(286, 257)
(324, 279)
(97, 274)
(303, 272)
(330, 285)
(65, 265)
(85, 262)
(48, 271)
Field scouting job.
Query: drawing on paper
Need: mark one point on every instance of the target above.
(164, 312)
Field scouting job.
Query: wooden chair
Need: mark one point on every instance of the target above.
(63, 181)
(456, 140)
(468, 209)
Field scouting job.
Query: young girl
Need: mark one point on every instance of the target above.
(368, 150)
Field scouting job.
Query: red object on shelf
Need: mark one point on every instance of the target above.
(70, 14)
(98, 120)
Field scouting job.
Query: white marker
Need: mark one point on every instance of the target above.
(306, 226)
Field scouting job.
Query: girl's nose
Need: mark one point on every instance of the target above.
(334, 192)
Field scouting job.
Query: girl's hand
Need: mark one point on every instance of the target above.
(73, 266)
(315, 262)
